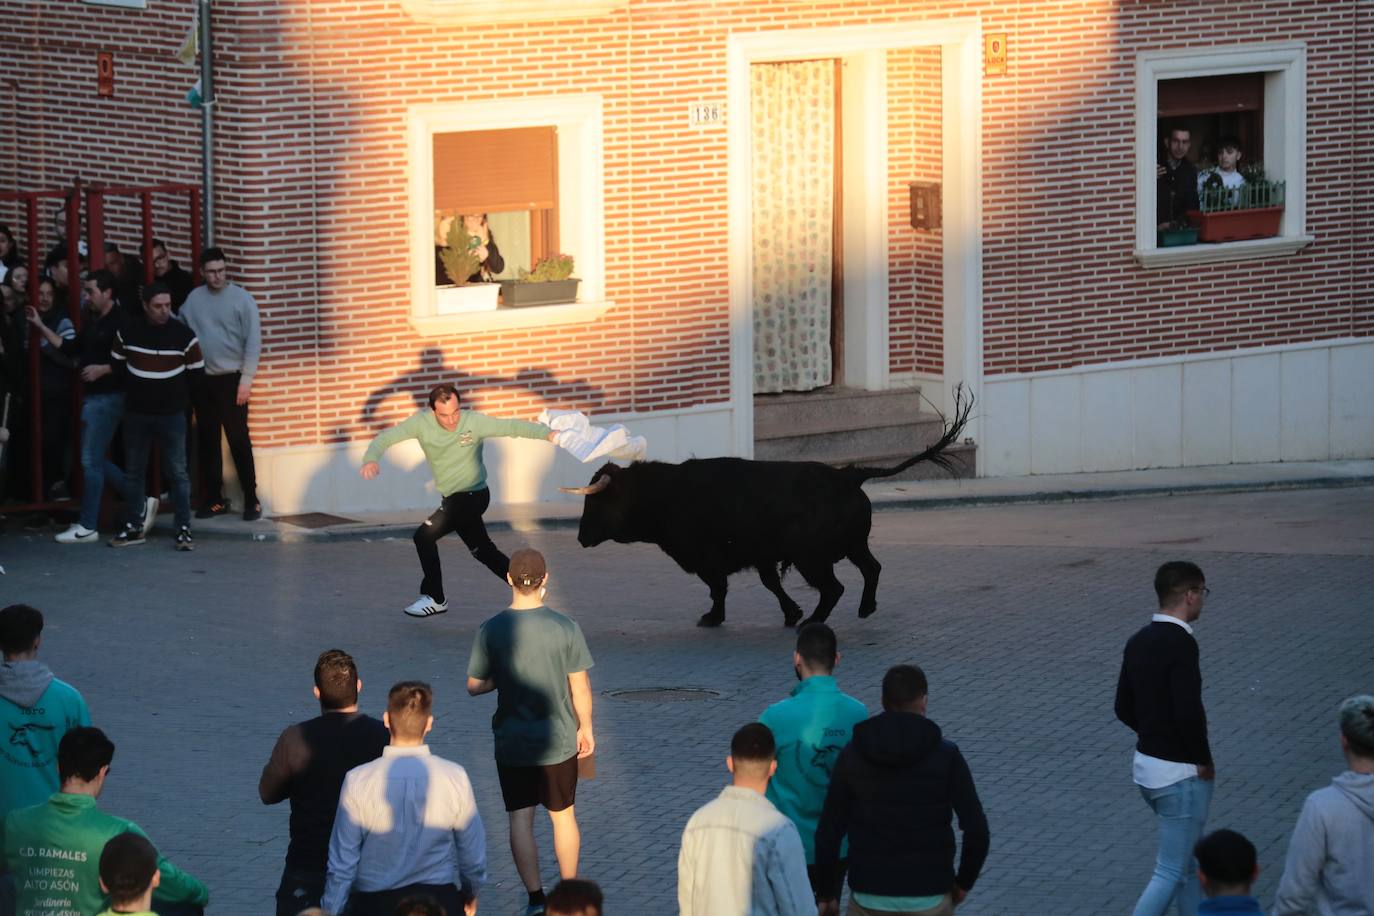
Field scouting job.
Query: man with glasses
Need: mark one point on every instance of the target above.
(167, 270)
(1159, 697)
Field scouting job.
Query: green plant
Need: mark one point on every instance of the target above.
(1257, 192)
(554, 267)
(460, 254)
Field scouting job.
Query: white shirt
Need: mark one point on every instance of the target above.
(399, 821)
(742, 857)
(1152, 772)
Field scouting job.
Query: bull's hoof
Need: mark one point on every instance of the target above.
(710, 620)
(815, 618)
(791, 617)
(868, 610)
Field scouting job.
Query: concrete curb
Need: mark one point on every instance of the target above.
(284, 533)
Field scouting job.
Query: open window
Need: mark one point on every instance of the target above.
(1222, 132)
(533, 167)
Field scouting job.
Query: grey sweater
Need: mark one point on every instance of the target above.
(1330, 867)
(226, 323)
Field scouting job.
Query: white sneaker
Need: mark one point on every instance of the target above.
(425, 606)
(149, 514)
(77, 534)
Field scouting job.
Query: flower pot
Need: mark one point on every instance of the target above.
(1235, 225)
(469, 297)
(515, 294)
(1169, 238)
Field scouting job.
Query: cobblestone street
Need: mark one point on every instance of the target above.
(194, 663)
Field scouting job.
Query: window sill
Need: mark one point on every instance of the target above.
(482, 12)
(1204, 253)
(537, 316)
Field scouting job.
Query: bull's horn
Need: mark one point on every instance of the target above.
(596, 486)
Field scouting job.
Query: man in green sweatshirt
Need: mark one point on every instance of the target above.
(54, 848)
(451, 439)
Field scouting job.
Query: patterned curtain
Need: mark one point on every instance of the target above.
(793, 170)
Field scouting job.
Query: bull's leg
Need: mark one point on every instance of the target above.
(870, 567)
(716, 582)
(820, 575)
(791, 612)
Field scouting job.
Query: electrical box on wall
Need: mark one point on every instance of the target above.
(925, 204)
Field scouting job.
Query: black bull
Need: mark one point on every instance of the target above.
(717, 516)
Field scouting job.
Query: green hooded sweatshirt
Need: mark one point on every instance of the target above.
(54, 851)
(36, 710)
(455, 457)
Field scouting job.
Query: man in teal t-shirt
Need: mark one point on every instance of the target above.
(54, 848)
(811, 727)
(36, 710)
(451, 439)
(537, 660)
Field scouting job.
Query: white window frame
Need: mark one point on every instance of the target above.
(1285, 144)
(578, 120)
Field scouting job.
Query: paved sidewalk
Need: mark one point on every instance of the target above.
(915, 494)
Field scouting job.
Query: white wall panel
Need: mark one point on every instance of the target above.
(1304, 406)
(1352, 401)
(1156, 396)
(1206, 413)
(1107, 429)
(1005, 448)
(1056, 423)
(1255, 408)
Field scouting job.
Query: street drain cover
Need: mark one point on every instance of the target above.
(665, 694)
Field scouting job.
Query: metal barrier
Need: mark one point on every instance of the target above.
(94, 198)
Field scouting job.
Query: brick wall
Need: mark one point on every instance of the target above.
(312, 194)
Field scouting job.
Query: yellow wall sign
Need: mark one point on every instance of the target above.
(995, 53)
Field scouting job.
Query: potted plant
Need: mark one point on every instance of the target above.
(550, 283)
(1251, 211)
(459, 257)
(1177, 232)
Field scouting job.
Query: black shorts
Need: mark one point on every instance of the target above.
(553, 785)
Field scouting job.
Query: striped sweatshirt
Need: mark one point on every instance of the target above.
(159, 359)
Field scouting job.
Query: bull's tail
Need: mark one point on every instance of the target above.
(963, 406)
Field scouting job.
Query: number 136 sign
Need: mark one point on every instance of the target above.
(700, 114)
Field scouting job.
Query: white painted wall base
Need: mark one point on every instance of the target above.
(1304, 402)
(325, 478)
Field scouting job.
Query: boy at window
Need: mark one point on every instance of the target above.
(1225, 173)
(1176, 188)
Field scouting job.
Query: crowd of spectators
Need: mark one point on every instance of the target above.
(81, 373)
(821, 793)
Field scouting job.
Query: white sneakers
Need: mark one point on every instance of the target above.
(149, 514)
(76, 534)
(425, 606)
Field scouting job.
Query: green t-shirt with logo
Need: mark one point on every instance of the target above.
(529, 655)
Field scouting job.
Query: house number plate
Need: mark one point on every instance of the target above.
(700, 114)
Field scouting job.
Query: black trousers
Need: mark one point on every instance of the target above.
(383, 903)
(216, 411)
(461, 513)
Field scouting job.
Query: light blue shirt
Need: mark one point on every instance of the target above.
(400, 819)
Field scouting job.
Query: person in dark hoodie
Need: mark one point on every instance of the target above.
(35, 707)
(894, 792)
(1328, 869)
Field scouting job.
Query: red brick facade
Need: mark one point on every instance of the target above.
(312, 200)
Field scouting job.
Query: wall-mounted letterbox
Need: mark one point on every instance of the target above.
(925, 204)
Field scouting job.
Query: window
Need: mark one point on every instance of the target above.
(1255, 94)
(534, 166)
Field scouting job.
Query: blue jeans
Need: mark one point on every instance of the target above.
(100, 416)
(170, 430)
(1182, 811)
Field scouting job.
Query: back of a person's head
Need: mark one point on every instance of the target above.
(408, 707)
(82, 752)
(574, 897)
(817, 646)
(1175, 578)
(753, 747)
(127, 865)
(20, 627)
(1227, 860)
(419, 905)
(904, 686)
(336, 677)
(1357, 724)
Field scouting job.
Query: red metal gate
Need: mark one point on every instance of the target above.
(94, 198)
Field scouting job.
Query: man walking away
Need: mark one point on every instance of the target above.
(811, 727)
(894, 793)
(1159, 697)
(225, 319)
(1330, 867)
(307, 767)
(740, 855)
(536, 660)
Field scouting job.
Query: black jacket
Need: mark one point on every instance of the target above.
(91, 347)
(1159, 694)
(895, 790)
(1176, 191)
